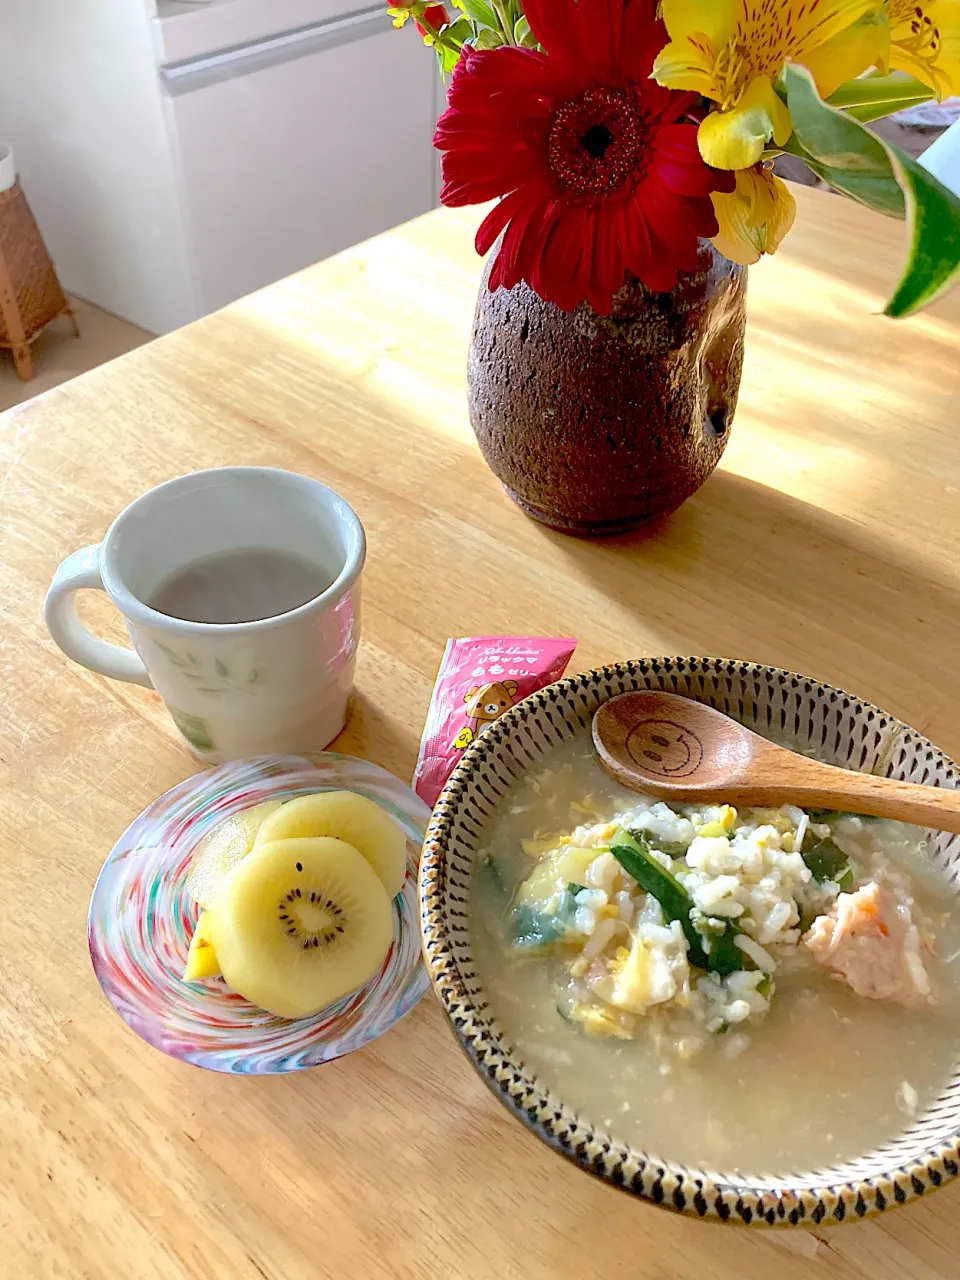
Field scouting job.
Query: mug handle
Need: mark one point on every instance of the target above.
(77, 573)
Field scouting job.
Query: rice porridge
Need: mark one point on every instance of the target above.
(763, 989)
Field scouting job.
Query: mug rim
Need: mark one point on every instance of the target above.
(131, 606)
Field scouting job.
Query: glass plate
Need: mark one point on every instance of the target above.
(142, 919)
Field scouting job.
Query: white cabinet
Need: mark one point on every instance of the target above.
(179, 155)
(292, 149)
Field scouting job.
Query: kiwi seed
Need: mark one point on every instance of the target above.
(309, 937)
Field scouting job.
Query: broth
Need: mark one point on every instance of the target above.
(825, 1076)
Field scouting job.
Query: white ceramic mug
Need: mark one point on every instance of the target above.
(233, 689)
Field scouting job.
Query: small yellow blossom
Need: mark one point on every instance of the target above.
(731, 51)
(399, 13)
(755, 217)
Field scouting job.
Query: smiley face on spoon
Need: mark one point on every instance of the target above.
(676, 748)
(664, 749)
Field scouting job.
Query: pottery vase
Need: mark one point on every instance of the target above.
(597, 425)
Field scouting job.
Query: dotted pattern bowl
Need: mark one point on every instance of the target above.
(844, 730)
(142, 919)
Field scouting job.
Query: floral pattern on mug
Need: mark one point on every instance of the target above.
(221, 679)
(194, 729)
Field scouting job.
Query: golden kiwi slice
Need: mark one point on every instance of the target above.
(201, 958)
(220, 851)
(300, 923)
(350, 817)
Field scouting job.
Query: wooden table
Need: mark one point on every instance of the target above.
(829, 542)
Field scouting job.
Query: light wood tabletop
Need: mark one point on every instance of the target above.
(828, 542)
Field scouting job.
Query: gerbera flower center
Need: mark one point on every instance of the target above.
(598, 142)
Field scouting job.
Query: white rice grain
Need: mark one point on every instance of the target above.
(602, 871)
(762, 959)
(601, 936)
(738, 1011)
(908, 1100)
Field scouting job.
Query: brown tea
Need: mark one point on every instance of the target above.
(242, 585)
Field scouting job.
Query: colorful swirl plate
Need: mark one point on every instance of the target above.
(142, 918)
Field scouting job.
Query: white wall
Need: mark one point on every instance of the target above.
(80, 104)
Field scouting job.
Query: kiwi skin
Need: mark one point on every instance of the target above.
(291, 954)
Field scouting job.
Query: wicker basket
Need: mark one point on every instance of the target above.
(30, 293)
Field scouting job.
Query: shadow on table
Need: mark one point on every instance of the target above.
(735, 524)
(372, 735)
(791, 573)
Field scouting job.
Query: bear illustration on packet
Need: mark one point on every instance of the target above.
(480, 678)
(484, 705)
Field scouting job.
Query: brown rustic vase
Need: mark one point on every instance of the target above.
(602, 424)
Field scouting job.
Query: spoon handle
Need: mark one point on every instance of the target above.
(812, 785)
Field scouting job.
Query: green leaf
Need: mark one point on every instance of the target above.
(933, 259)
(873, 97)
(480, 12)
(532, 930)
(827, 861)
(495, 875)
(447, 59)
(632, 850)
(876, 173)
(489, 39)
(449, 42)
(523, 35)
(221, 668)
(838, 148)
(873, 191)
(867, 114)
(458, 31)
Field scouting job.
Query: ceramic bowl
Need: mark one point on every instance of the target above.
(844, 730)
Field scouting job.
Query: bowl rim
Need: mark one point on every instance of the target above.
(676, 1187)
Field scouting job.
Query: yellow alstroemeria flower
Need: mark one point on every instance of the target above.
(731, 51)
(755, 217)
(925, 40)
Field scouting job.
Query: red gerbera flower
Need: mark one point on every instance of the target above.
(598, 166)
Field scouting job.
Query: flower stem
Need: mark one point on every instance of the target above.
(505, 23)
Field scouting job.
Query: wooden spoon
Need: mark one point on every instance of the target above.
(678, 749)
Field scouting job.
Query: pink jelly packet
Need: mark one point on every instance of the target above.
(480, 677)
